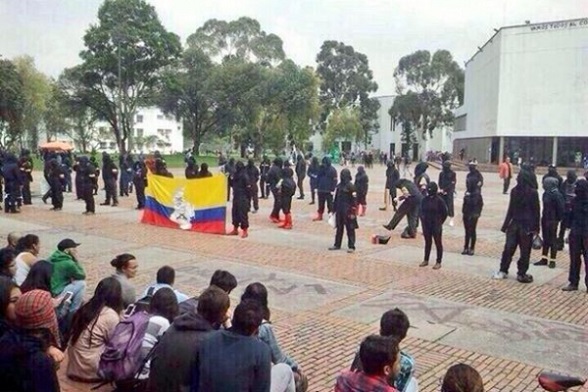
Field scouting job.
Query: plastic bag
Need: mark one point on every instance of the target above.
(537, 242)
(333, 220)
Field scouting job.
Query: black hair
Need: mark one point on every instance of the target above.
(247, 317)
(166, 275)
(204, 167)
(394, 323)
(224, 279)
(26, 242)
(6, 258)
(257, 292)
(107, 293)
(122, 261)
(376, 352)
(6, 287)
(213, 304)
(164, 303)
(461, 377)
(39, 277)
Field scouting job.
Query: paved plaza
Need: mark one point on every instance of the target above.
(324, 303)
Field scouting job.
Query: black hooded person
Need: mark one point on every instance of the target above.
(109, 176)
(313, 172)
(421, 178)
(229, 170)
(447, 181)
(530, 169)
(392, 177)
(241, 196)
(85, 177)
(12, 183)
(578, 239)
(264, 167)
(327, 182)
(56, 182)
(433, 214)
(78, 178)
(204, 173)
(361, 186)
(274, 176)
(411, 199)
(287, 191)
(95, 164)
(300, 174)
(552, 172)
(253, 174)
(552, 214)
(140, 182)
(568, 190)
(521, 224)
(473, 203)
(345, 207)
(191, 168)
(25, 164)
(474, 174)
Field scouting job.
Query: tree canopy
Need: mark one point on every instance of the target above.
(12, 102)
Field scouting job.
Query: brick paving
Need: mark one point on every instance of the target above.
(322, 340)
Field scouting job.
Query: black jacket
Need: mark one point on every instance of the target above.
(553, 206)
(301, 168)
(579, 225)
(392, 176)
(273, 176)
(313, 172)
(241, 185)
(553, 173)
(362, 182)
(345, 203)
(473, 203)
(523, 207)
(327, 177)
(477, 176)
(264, 167)
(447, 180)
(191, 171)
(252, 173)
(433, 212)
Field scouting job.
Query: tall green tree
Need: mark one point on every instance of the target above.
(12, 102)
(345, 125)
(125, 55)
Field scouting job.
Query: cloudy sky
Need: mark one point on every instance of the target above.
(51, 30)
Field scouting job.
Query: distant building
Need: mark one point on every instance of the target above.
(526, 95)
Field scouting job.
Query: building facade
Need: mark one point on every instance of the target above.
(526, 95)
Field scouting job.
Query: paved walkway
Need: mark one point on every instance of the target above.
(323, 303)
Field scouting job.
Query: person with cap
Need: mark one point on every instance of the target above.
(68, 276)
(392, 177)
(447, 181)
(474, 173)
(241, 196)
(553, 210)
(505, 173)
(327, 182)
(345, 207)
(568, 190)
(433, 214)
(520, 225)
(300, 174)
(28, 358)
(109, 176)
(578, 239)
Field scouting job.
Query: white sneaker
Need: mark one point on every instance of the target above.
(451, 222)
(499, 275)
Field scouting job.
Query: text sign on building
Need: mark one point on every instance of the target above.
(560, 25)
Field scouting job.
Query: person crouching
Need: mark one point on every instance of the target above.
(433, 215)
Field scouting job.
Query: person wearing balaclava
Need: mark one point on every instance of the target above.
(204, 173)
(471, 211)
(567, 189)
(300, 175)
(553, 210)
(313, 172)
(85, 177)
(109, 176)
(191, 171)
(520, 225)
(474, 173)
(552, 172)
(345, 207)
(140, 182)
(433, 214)
(578, 239)
(287, 191)
(421, 178)
(241, 195)
(411, 199)
(264, 167)
(447, 181)
(530, 169)
(392, 176)
(327, 182)
(229, 170)
(12, 183)
(253, 174)
(274, 176)
(361, 185)
(25, 164)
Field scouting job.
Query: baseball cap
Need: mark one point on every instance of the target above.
(66, 244)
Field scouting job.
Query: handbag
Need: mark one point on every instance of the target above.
(333, 220)
(537, 242)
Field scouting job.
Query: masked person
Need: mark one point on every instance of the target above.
(264, 167)
(313, 172)
(140, 182)
(474, 173)
(26, 169)
(85, 178)
(12, 183)
(203, 173)
(109, 176)
(56, 182)
(421, 178)
(327, 182)
(191, 169)
(95, 164)
(471, 211)
(253, 175)
(447, 181)
(411, 199)
(578, 236)
(287, 191)
(345, 207)
(552, 172)
(300, 174)
(361, 185)
(433, 214)
(392, 177)
(241, 196)
(553, 210)
(229, 170)
(78, 179)
(567, 189)
(274, 176)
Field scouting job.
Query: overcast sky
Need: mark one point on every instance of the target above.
(51, 30)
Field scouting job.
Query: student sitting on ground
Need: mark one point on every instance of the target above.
(462, 377)
(28, 248)
(221, 279)
(7, 263)
(394, 323)
(379, 358)
(126, 269)
(166, 276)
(9, 294)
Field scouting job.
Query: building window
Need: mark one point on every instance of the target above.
(139, 132)
(103, 145)
(392, 123)
(112, 145)
(160, 116)
(168, 117)
(460, 123)
(179, 127)
(139, 118)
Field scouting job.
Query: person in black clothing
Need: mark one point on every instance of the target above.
(85, 178)
(123, 186)
(274, 176)
(313, 172)
(327, 182)
(140, 182)
(95, 164)
(229, 170)
(203, 173)
(567, 189)
(578, 239)
(191, 169)
(56, 181)
(241, 196)
(392, 177)
(411, 199)
(78, 179)
(287, 191)
(300, 174)
(471, 211)
(520, 225)
(361, 185)
(109, 176)
(433, 214)
(530, 169)
(26, 168)
(552, 172)
(264, 167)
(553, 210)
(345, 207)
(66, 169)
(253, 174)
(421, 178)
(475, 174)
(447, 181)
(161, 168)
(12, 183)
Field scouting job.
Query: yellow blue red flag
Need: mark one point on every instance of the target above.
(195, 204)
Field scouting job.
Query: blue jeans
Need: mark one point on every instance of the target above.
(78, 288)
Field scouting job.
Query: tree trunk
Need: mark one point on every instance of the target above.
(196, 140)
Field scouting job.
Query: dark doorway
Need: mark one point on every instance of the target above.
(392, 149)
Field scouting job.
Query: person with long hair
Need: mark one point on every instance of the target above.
(462, 378)
(126, 268)
(7, 263)
(92, 328)
(9, 294)
(27, 250)
(39, 277)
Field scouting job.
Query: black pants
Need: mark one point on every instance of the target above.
(264, 188)
(286, 204)
(361, 198)
(430, 234)
(140, 192)
(578, 249)
(312, 193)
(300, 184)
(448, 198)
(11, 200)
(506, 185)
(469, 224)
(79, 185)
(349, 225)
(110, 189)
(88, 196)
(123, 184)
(517, 236)
(57, 194)
(240, 212)
(563, 226)
(255, 196)
(322, 198)
(277, 204)
(392, 197)
(26, 192)
(549, 230)
(408, 208)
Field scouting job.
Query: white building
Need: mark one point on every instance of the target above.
(526, 95)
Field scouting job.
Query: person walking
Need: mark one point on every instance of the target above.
(313, 172)
(345, 207)
(553, 210)
(56, 181)
(327, 182)
(447, 181)
(505, 173)
(300, 174)
(578, 236)
(433, 214)
(241, 196)
(471, 211)
(361, 185)
(392, 177)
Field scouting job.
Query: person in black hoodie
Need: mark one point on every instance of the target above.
(229, 170)
(56, 181)
(392, 177)
(520, 225)
(253, 174)
(300, 174)
(447, 181)
(274, 176)
(174, 356)
(264, 167)
(191, 169)
(203, 173)
(85, 176)
(421, 178)
(475, 174)
(327, 182)
(578, 239)
(471, 211)
(25, 164)
(140, 182)
(411, 198)
(433, 214)
(552, 172)
(567, 189)
(287, 191)
(553, 210)
(313, 172)
(78, 179)
(241, 196)
(109, 176)
(361, 185)
(345, 206)
(12, 183)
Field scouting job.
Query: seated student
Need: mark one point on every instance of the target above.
(394, 323)
(9, 294)
(174, 356)
(26, 361)
(92, 328)
(68, 275)
(462, 377)
(379, 358)
(7, 263)
(203, 173)
(166, 276)
(12, 240)
(126, 268)
(39, 277)
(28, 248)
(234, 360)
(221, 279)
